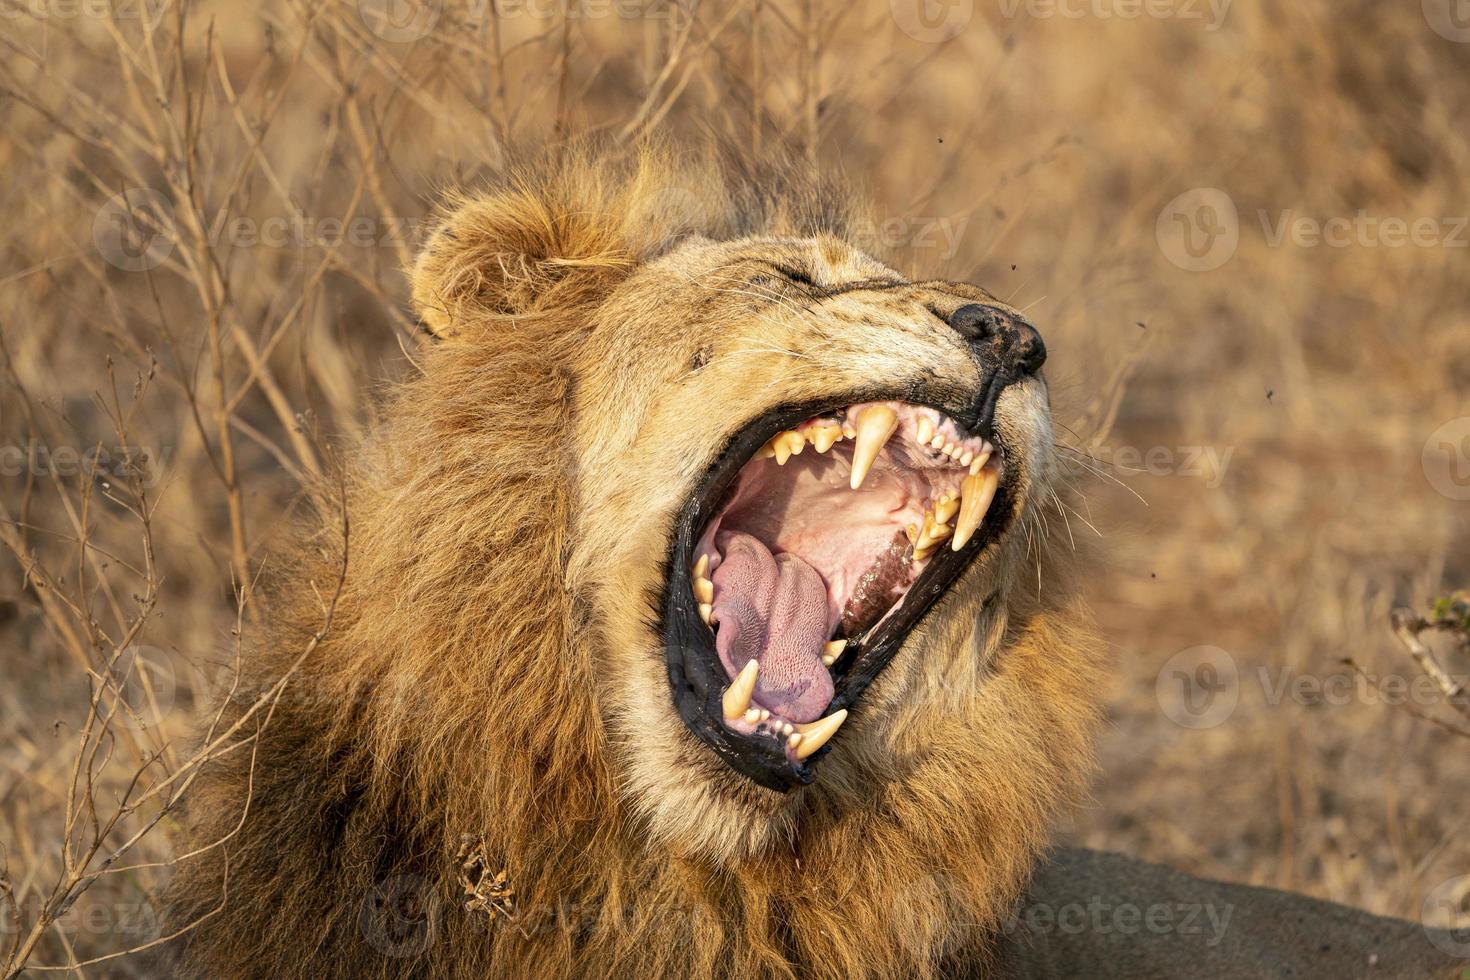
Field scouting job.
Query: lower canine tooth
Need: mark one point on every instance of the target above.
(945, 508)
(875, 424)
(979, 491)
(737, 696)
(817, 734)
(931, 535)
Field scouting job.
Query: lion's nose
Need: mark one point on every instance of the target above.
(1002, 337)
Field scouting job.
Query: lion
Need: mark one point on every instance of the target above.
(695, 612)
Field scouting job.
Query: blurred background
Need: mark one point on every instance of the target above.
(1241, 227)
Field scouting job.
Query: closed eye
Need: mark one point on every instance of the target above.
(796, 276)
(799, 277)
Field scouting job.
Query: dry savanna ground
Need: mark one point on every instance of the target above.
(1240, 227)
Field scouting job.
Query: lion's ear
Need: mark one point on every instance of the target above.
(514, 254)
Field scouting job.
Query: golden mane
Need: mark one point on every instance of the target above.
(456, 696)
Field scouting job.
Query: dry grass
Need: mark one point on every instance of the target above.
(1032, 154)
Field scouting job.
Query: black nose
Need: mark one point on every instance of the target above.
(1004, 338)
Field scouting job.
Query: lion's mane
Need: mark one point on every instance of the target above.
(453, 700)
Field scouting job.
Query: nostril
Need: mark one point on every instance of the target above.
(1003, 336)
(1030, 349)
(976, 322)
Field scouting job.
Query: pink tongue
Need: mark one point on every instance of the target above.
(773, 608)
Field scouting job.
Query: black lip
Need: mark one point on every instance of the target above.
(697, 680)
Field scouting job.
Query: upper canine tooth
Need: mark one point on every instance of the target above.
(875, 424)
(979, 491)
(737, 696)
(926, 429)
(818, 733)
(832, 650)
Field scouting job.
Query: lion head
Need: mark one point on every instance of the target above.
(703, 577)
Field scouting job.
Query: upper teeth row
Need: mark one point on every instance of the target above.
(873, 426)
(823, 434)
(929, 436)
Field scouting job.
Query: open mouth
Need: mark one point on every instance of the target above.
(818, 540)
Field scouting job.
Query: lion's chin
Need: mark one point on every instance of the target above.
(819, 541)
